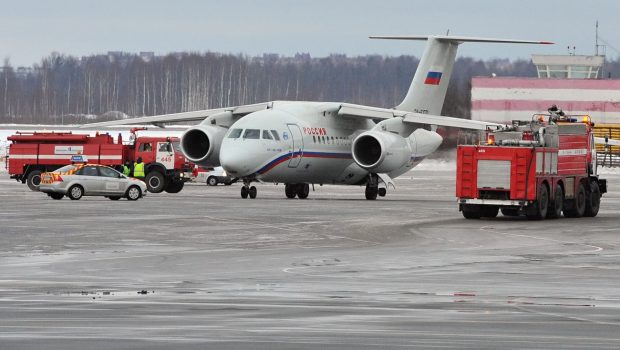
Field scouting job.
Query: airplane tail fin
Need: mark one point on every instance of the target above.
(430, 82)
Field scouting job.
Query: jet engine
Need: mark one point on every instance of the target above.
(380, 151)
(201, 144)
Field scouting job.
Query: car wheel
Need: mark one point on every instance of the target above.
(212, 181)
(75, 192)
(114, 198)
(133, 193)
(56, 196)
(34, 180)
(155, 182)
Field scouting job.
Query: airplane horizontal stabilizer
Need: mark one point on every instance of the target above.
(458, 39)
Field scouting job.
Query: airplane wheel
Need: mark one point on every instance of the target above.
(382, 192)
(289, 190)
(252, 192)
(303, 190)
(371, 193)
(244, 192)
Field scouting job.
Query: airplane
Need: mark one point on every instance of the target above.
(299, 143)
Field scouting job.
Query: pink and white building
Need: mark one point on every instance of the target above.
(560, 81)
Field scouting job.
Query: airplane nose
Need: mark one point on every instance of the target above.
(235, 162)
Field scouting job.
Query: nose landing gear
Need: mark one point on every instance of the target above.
(248, 191)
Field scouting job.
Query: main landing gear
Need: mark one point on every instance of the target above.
(247, 190)
(373, 189)
(299, 190)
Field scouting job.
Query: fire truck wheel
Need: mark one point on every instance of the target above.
(471, 211)
(510, 212)
(577, 206)
(133, 193)
(75, 192)
(175, 187)
(290, 191)
(34, 180)
(56, 196)
(303, 190)
(538, 209)
(489, 211)
(212, 181)
(555, 207)
(155, 182)
(593, 200)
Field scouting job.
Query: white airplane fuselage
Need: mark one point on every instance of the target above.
(314, 146)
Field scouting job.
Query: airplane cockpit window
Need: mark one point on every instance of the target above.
(251, 134)
(267, 135)
(235, 133)
(275, 135)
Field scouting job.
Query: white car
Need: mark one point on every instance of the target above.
(77, 180)
(214, 176)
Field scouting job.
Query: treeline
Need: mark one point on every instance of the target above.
(65, 89)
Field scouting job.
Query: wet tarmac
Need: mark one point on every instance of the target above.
(205, 269)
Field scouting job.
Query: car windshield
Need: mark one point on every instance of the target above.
(66, 168)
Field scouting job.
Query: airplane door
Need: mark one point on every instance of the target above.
(298, 145)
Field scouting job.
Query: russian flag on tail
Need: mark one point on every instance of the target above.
(433, 78)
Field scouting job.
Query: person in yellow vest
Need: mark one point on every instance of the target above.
(138, 169)
(127, 168)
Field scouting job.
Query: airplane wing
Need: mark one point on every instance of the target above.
(611, 142)
(183, 117)
(360, 111)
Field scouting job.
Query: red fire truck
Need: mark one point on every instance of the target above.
(539, 169)
(32, 153)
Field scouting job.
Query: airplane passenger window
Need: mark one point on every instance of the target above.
(275, 135)
(252, 134)
(267, 135)
(235, 133)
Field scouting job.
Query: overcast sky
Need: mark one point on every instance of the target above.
(31, 29)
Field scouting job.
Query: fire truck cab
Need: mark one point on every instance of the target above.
(541, 169)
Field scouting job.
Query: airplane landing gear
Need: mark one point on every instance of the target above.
(247, 190)
(299, 190)
(372, 187)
